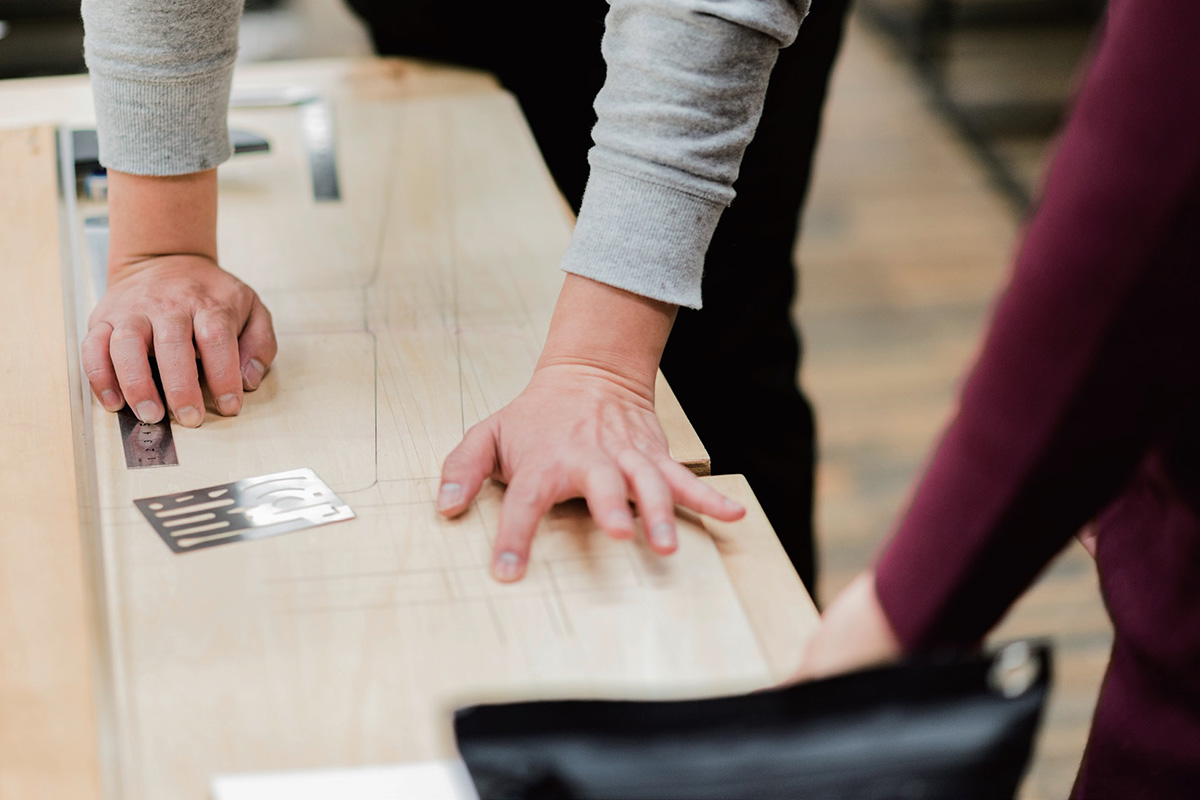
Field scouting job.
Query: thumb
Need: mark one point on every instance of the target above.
(466, 467)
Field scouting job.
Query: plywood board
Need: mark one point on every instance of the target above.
(48, 726)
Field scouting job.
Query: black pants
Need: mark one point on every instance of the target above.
(734, 363)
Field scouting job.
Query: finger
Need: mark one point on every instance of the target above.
(691, 492)
(176, 359)
(216, 336)
(256, 346)
(607, 497)
(526, 501)
(655, 501)
(97, 365)
(466, 468)
(128, 347)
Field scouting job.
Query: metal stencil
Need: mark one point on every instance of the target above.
(254, 508)
(146, 444)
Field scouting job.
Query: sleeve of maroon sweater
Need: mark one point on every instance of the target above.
(1093, 350)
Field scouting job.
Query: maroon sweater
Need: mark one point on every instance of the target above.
(1085, 402)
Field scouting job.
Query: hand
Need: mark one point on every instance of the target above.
(1087, 538)
(854, 633)
(576, 431)
(174, 309)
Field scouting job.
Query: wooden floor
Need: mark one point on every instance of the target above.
(903, 249)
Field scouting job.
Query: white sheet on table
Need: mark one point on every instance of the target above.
(427, 780)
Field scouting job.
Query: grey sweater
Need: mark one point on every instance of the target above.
(684, 92)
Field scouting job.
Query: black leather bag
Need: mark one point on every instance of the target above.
(953, 730)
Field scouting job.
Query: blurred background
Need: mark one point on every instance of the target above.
(940, 117)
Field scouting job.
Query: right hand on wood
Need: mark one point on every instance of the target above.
(576, 431)
(177, 309)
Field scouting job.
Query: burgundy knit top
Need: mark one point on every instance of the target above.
(1084, 404)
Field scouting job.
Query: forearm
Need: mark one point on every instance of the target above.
(609, 329)
(158, 216)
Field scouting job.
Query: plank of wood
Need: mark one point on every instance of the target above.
(778, 606)
(685, 444)
(48, 723)
(350, 644)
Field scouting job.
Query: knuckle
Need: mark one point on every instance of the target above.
(178, 392)
(202, 290)
(223, 380)
(533, 493)
(131, 363)
(96, 370)
(91, 350)
(215, 332)
(138, 386)
(173, 332)
(651, 484)
(630, 461)
(523, 495)
(647, 479)
(98, 329)
(126, 335)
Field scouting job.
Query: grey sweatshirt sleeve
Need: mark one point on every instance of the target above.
(161, 72)
(682, 98)
(685, 88)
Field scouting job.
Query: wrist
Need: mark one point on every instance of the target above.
(190, 264)
(151, 217)
(601, 328)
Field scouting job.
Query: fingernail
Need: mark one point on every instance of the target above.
(507, 566)
(111, 400)
(732, 506)
(252, 373)
(662, 535)
(148, 411)
(188, 416)
(229, 404)
(621, 519)
(449, 496)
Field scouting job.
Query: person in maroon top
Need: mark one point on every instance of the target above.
(1084, 405)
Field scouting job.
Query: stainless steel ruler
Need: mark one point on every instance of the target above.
(147, 444)
(317, 125)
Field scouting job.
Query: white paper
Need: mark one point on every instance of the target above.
(426, 780)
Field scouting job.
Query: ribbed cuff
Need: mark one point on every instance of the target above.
(171, 128)
(642, 237)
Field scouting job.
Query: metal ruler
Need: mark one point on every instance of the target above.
(316, 125)
(147, 444)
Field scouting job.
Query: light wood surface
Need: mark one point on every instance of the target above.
(48, 726)
(406, 312)
(775, 600)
